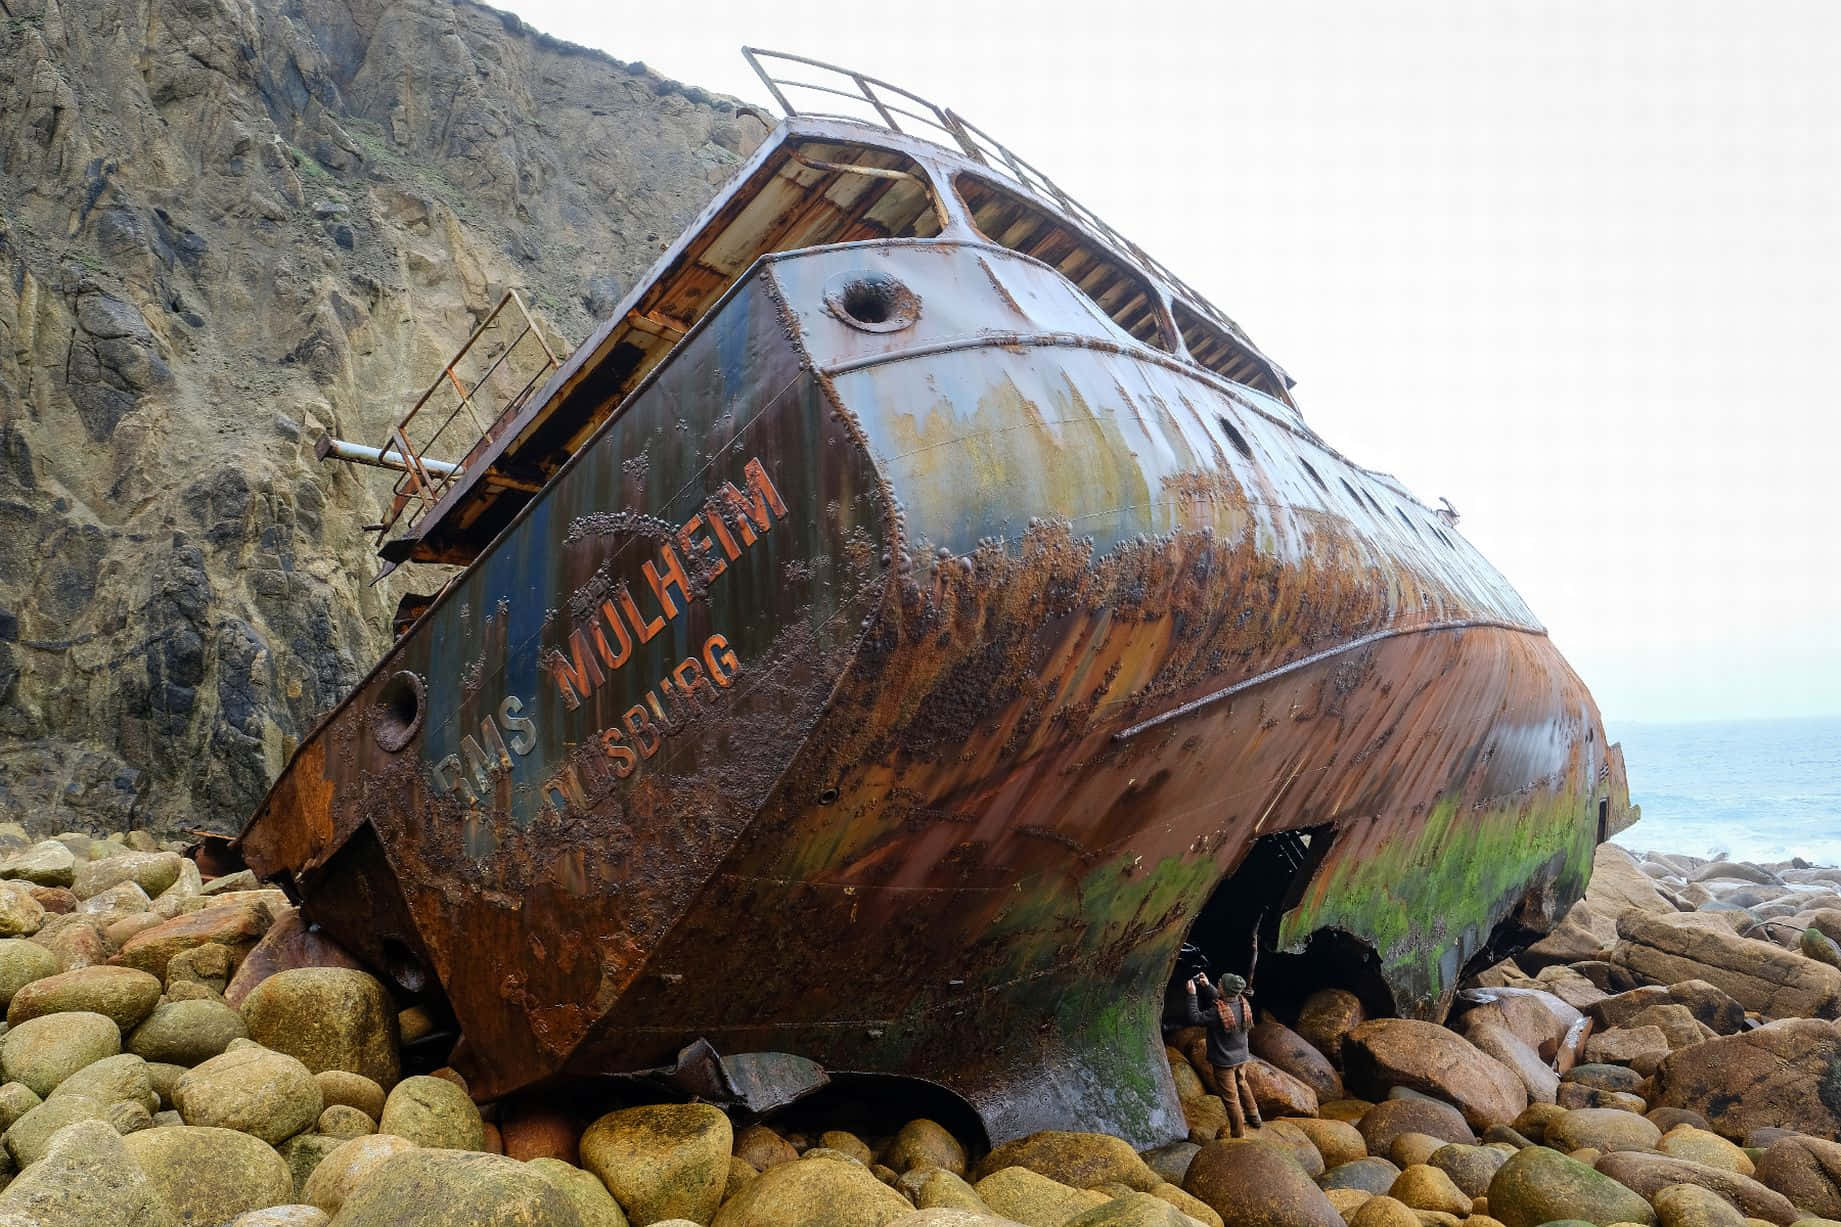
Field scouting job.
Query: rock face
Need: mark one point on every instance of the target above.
(1758, 975)
(227, 227)
(210, 1175)
(1424, 1057)
(1784, 1074)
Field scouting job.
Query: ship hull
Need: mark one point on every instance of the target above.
(902, 697)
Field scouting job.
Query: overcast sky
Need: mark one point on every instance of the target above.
(1574, 265)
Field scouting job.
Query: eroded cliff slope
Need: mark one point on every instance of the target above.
(227, 226)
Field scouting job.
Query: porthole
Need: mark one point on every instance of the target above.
(1237, 439)
(396, 717)
(872, 301)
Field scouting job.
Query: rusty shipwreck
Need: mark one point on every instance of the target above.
(907, 620)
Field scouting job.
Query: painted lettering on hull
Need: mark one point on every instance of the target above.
(732, 521)
(729, 523)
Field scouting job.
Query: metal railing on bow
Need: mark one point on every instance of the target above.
(485, 383)
(874, 101)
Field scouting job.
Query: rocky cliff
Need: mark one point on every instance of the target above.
(227, 226)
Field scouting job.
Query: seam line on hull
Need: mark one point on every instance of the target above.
(1227, 692)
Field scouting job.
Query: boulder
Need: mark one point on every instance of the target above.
(186, 1032)
(358, 1091)
(1414, 1148)
(1626, 1045)
(1602, 1129)
(1285, 1133)
(253, 1090)
(1471, 1168)
(1133, 1210)
(1372, 1174)
(123, 1077)
(1257, 1184)
(1424, 1187)
(344, 1121)
(210, 1175)
(761, 1148)
(289, 943)
(347, 1166)
(662, 1160)
(31, 1135)
(1337, 1141)
(1080, 1160)
(120, 994)
(1649, 1174)
(1027, 1197)
(940, 1216)
(48, 863)
(845, 1142)
(210, 965)
(1776, 1075)
(1278, 1093)
(16, 1099)
(303, 1153)
(1584, 933)
(1278, 1045)
(1326, 1017)
(1687, 1205)
(1384, 1210)
(86, 1179)
(1701, 1146)
(236, 925)
(1758, 975)
(1205, 1116)
(928, 1187)
(76, 941)
(814, 1192)
(44, 1051)
(1577, 1095)
(1537, 1076)
(150, 872)
(922, 1143)
(117, 902)
(22, 962)
(1387, 1120)
(1425, 1057)
(1676, 1023)
(283, 1216)
(1538, 1185)
(432, 1112)
(1805, 1170)
(327, 1018)
(1617, 885)
(456, 1188)
(1189, 1204)
(594, 1205)
(20, 914)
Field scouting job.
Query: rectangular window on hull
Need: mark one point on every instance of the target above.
(1012, 221)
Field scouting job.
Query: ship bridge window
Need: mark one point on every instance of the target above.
(1212, 346)
(1116, 288)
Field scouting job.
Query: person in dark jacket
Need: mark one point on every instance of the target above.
(1222, 1008)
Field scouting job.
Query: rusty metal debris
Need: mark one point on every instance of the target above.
(911, 617)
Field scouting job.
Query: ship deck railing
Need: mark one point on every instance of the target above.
(503, 363)
(885, 105)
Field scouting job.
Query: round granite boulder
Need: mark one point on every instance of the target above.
(211, 1175)
(433, 1112)
(42, 1052)
(121, 994)
(662, 1160)
(327, 1018)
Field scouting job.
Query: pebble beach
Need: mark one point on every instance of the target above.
(183, 1051)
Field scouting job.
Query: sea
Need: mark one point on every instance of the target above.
(1752, 790)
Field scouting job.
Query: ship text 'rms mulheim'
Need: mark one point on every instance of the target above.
(729, 523)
